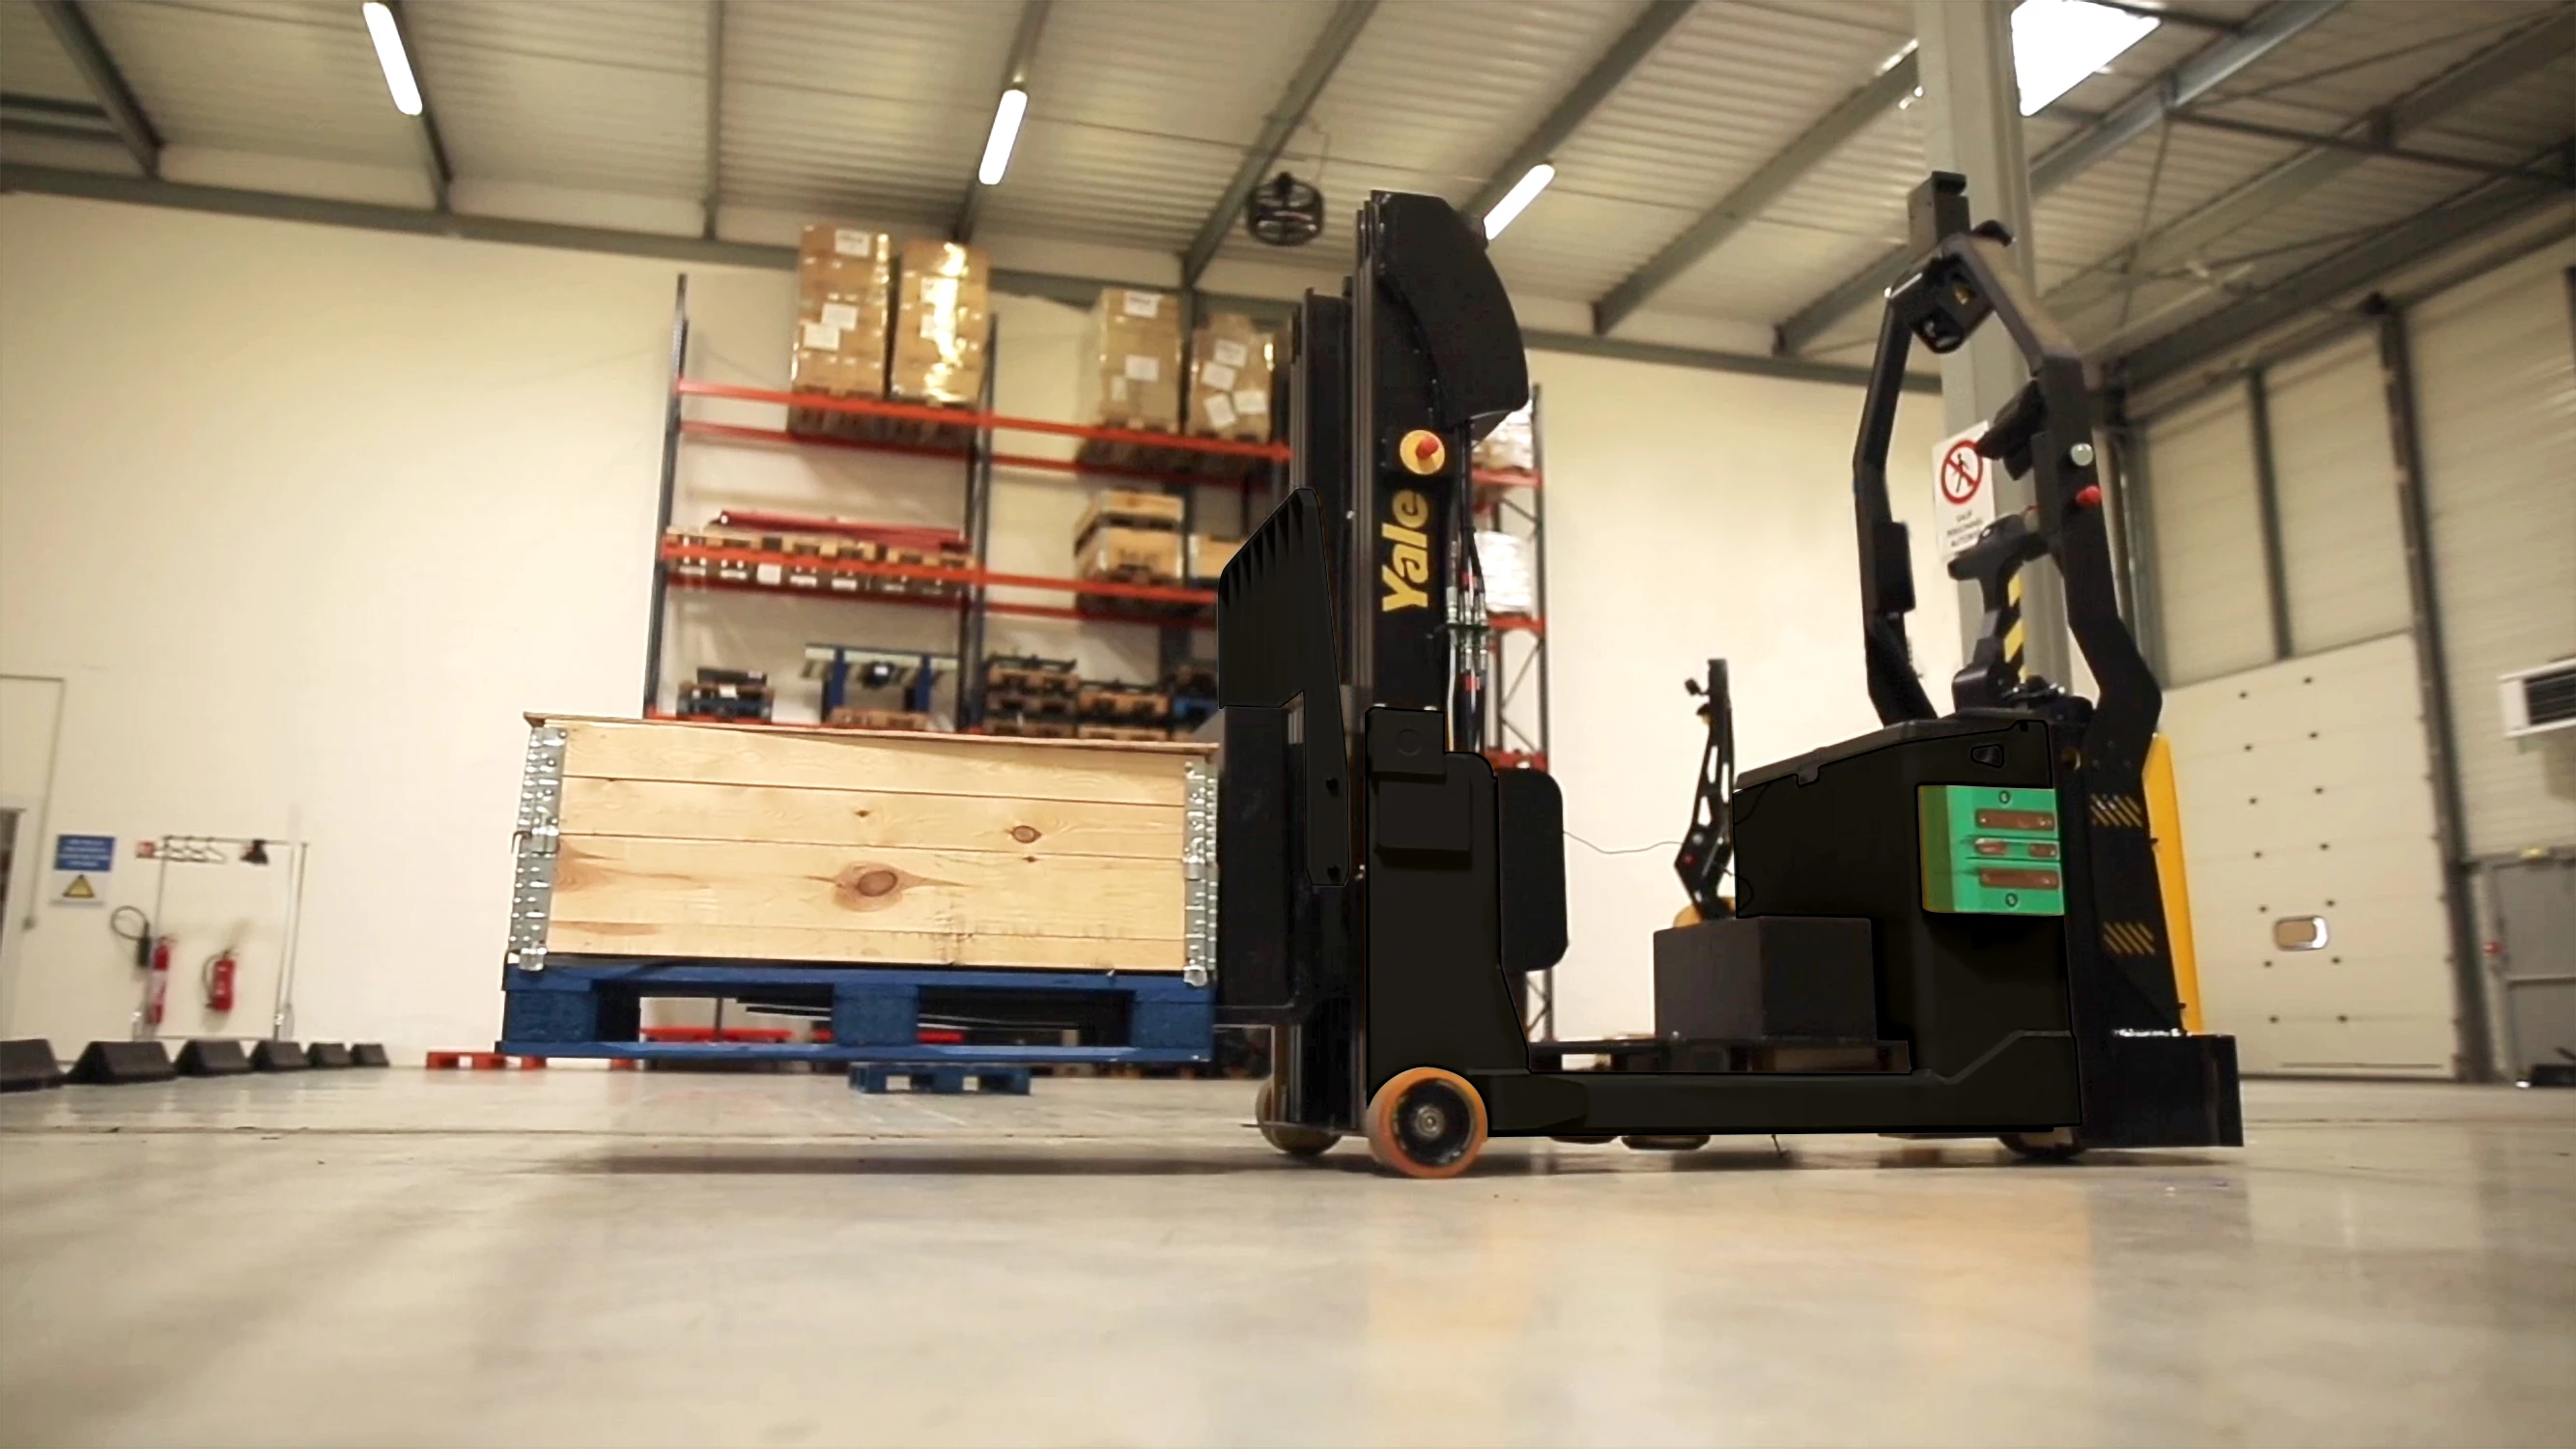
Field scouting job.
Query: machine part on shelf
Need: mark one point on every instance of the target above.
(1379, 877)
(912, 676)
(1708, 847)
(533, 848)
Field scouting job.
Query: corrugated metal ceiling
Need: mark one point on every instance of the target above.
(1141, 110)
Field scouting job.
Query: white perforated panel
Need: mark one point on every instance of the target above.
(2304, 792)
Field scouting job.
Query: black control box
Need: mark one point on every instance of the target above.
(1807, 979)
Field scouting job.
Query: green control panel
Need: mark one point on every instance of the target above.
(1991, 852)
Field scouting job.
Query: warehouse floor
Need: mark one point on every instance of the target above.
(579, 1257)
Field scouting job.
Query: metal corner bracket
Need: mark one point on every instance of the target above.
(532, 885)
(1198, 869)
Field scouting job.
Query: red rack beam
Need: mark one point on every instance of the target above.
(736, 433)
(970, 578)
(1521, 622)
(994, 422)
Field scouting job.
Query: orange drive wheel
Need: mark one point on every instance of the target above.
(1426, 1123)
(1287, 1137)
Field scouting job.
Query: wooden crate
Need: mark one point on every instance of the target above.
(837, 846)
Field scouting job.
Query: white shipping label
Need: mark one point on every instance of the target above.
(939, 292)
(821, 337)
(1232, 354)
(841, 315)
(1144, 304)
(1252, 402)
(1220, 413)
(1143, 368)
(851, 243)
(769, 573)
(1216, 375)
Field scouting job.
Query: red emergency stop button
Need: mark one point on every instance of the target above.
(1422, 452)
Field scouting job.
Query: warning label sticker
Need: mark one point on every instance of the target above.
(1963, 491)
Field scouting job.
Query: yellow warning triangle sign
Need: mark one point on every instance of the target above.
(79, 890)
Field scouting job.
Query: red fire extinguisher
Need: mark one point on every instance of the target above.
(160, 993)
(219, 981)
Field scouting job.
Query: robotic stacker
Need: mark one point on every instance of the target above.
(1948, 927)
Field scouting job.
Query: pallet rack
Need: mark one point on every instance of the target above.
(1175, 610)
(1514, 688)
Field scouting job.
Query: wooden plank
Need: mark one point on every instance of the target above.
(865, 948)
(873, 889)
(895, 763)
(675, 810)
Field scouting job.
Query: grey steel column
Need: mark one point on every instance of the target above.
(1972, 125)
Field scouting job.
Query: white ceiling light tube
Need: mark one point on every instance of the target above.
(389, 54)
(1517, 200)
(1006, 133)
(2057, 43)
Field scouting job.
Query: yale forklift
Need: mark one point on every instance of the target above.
(1948, 927)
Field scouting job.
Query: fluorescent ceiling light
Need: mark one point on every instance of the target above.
(1517, 200)
(1006, 132)
(2057, 43)
(389, 54)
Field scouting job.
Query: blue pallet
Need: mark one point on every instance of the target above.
(592, 1007)
(947, 1080)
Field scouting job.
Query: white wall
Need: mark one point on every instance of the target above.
(1693, 515)
(308, 517)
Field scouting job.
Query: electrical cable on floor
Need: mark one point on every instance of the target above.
(1630, 850)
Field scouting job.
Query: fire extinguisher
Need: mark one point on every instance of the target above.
(219, 980)
(160, 993)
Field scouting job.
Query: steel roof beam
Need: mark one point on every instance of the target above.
(107, 86)
(1624, 55)
(715, 116)
(1296, 99)
(2424, 235)
(2194, 77)
(1755, 192)
(433, 147)
(2367, 147)
(1015, 76)
(690, 250)
(2508, 60)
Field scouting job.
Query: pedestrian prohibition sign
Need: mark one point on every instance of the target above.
(1963, 491)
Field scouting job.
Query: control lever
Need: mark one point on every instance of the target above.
(1992, 677)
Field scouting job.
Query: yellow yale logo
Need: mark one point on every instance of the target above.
(1408, 569)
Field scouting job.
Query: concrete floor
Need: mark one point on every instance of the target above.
(581, 1258)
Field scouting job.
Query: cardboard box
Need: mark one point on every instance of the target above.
(1131, 508)
(1512, 447)
(844, 287)
(1131, 375)
(1210, 554)
(1111, 551)
(943, 302)
(1511, 586)
(1230, 369)
(836, 847)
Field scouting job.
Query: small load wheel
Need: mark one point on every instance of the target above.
(2059, 1144)
(1426, 1123)
(1293, 1140)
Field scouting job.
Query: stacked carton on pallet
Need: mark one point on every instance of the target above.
(943, 303)
(1130, 537)
(1230, 381)
(844, 287)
